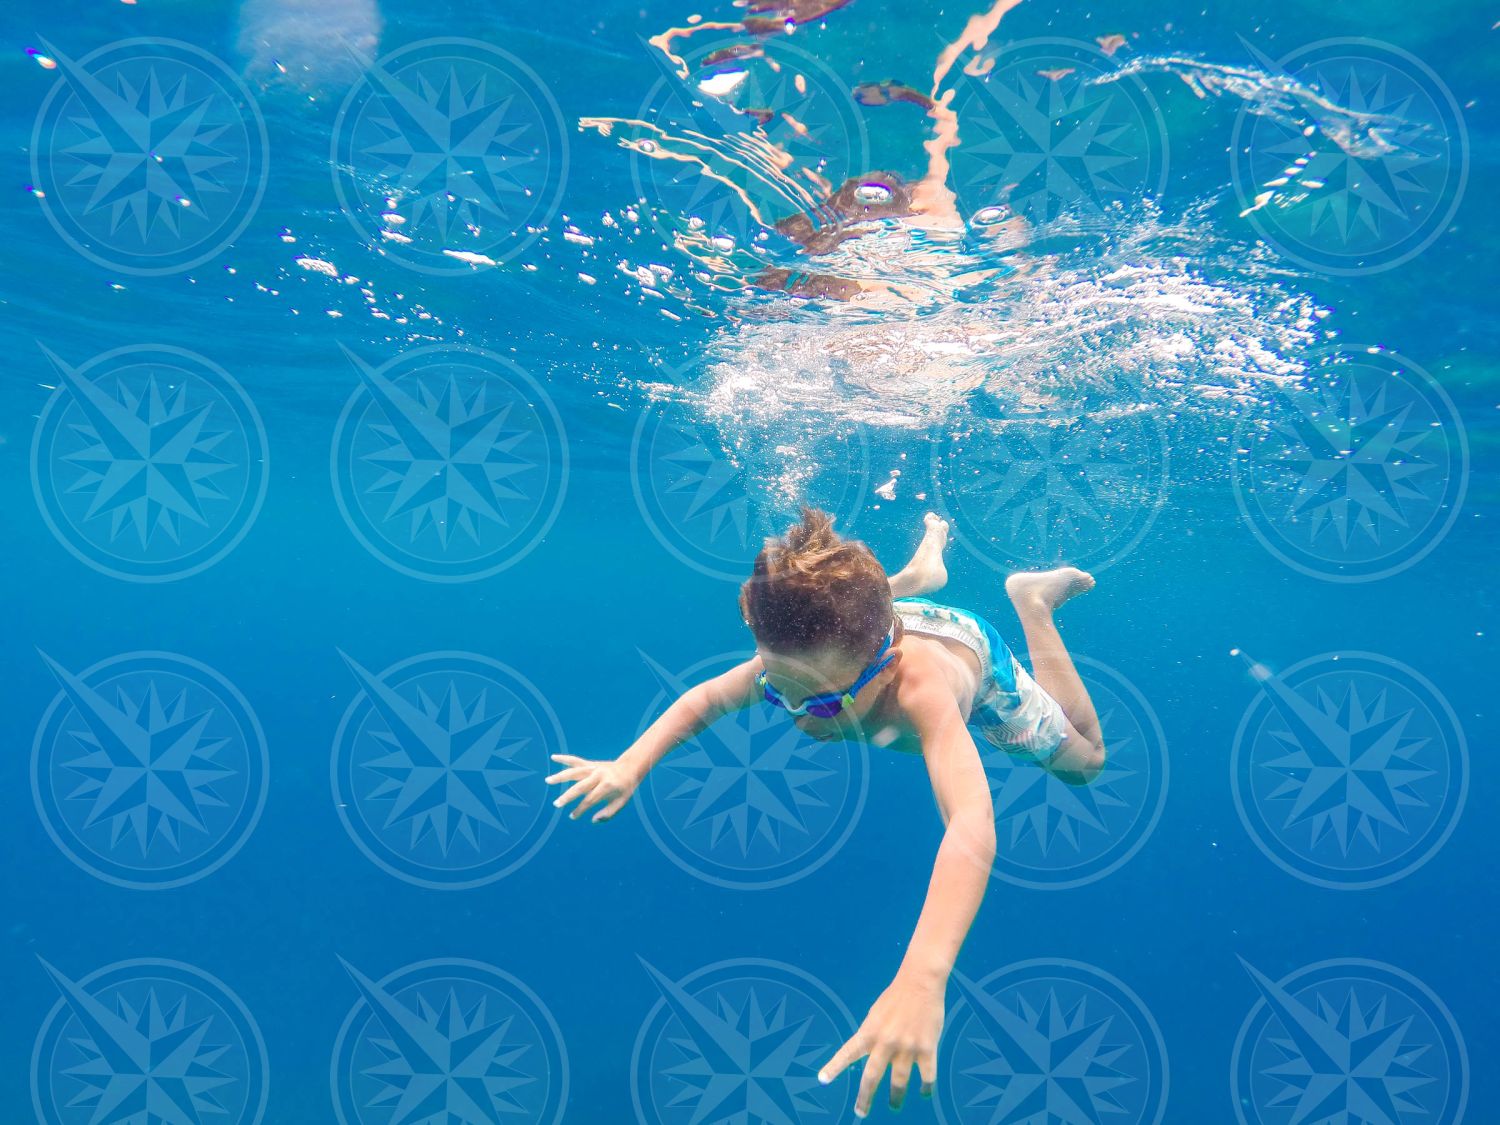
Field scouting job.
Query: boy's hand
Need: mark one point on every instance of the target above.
(594, 782)
(902, 1030)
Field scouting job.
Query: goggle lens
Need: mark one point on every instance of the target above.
(828, 708)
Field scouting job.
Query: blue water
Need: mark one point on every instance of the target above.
(1172, 936)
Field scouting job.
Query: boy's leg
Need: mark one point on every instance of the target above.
(926, 572)
(1037, 596)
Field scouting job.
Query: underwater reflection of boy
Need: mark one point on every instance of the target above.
(848, 653)
(864, 205)
(858, 206)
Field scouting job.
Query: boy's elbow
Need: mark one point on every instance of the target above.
(1095, 764)
(1083, 766)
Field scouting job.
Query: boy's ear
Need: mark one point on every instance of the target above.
(896, 652)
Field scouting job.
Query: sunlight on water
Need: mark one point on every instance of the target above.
(850, 298)
(1151, 317)
(839, 299)
(313, 47)
(1359, 132)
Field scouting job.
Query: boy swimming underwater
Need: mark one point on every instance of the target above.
(848, 653)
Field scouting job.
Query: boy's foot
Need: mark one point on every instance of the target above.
(1047, 589)
(927, 571)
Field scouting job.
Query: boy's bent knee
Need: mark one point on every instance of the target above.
(1079, 760)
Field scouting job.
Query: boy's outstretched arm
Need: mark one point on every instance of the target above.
(904, 1025)
(614, 781)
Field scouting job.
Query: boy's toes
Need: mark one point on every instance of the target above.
(936, 525)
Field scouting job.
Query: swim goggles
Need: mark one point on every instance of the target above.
(826, 705)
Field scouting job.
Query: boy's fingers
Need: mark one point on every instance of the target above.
(569, 759)
(564, 775)
(570, 794)
(597, 794)
(840, 1062)
(585, 788)
(609, 810)
(927, 1066)
(870, 1081)
(613, 807)
(900, 1075)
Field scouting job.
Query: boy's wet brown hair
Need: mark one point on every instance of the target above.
(812, 589)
